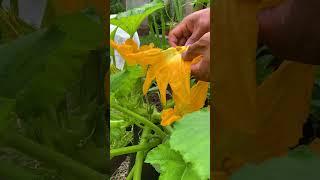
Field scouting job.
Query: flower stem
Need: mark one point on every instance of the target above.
(130, 175)
(140, 155)
(143, 120)
(132, 149)
(168, 129)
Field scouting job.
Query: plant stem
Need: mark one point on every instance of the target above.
(117, 124)
(163, 29)
(151, 26)
(156, 116)
(180, 9)
(156, 29)
(130, 175)
(169, 104)
(176, 10)
(168, 129)
(143, 120)
(132, 149)
(140, 155)
(51, 157)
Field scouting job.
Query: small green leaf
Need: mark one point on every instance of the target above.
(194, 127)
(122, 83)
(130, 20)
(170, 164)
(120, 137)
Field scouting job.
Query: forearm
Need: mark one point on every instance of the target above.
(292, 30)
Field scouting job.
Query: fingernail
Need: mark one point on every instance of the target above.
(187, 44)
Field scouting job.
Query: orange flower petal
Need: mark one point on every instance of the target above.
(168, 116)
(198, 96)
(167, 68)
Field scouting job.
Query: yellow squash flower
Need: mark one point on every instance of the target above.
(167, 68)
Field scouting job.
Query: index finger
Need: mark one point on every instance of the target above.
(178, 33)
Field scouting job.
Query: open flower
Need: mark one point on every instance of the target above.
(167, 68)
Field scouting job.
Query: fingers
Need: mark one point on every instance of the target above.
(172, 39)
(180, 34)
(177, 35)
(191, 29)
(201, 70)
(193, 51)
(196, 35)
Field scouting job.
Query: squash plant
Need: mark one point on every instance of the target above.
(175, 132)
(52, 100)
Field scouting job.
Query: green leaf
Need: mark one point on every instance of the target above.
(170, 164)
(130, 20)
(6, 107)
(120, 137)
(123, 82)
(299, 164)
(194, 127)
(112, 35)
(50, 63)
(55, 76)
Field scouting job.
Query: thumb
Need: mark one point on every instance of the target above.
(193, 51)
(195, 69)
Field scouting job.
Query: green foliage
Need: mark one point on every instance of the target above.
(195, 127)
(120, 137)
(130, 20)
(122, 83)
(116, 6)
(6, 107)
(53, 77)
(201, 2)
(298, 164)
(125, 90)
(176, 158)
(170, 164)
(150, 38)
(181, 159)
(178, 9)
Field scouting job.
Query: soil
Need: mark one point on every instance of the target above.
(122, 171)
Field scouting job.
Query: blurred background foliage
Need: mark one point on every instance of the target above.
(52, 111)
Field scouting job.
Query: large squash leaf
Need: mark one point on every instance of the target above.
(194, 127)
(170, 164)
(130, 20)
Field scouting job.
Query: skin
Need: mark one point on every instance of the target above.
(194, 31)
(290, 30)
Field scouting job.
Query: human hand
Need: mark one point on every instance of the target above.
(190, 29)
(201, 70)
